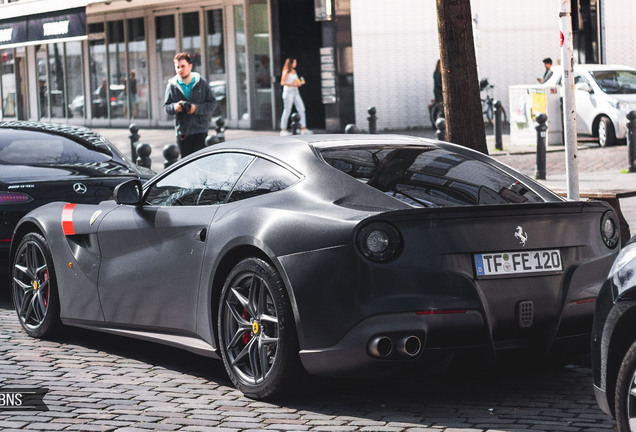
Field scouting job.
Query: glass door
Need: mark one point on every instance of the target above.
(261, 67)
(217, 76)
(240, 43)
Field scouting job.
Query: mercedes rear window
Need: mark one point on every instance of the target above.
(19, 147)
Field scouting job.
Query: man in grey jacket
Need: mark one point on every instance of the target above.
(189, 98)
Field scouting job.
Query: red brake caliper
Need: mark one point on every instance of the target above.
(46, 294)
(247, 336)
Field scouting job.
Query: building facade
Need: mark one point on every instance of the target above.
(106, 63)
(114, 69)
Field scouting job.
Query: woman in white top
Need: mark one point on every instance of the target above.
(291, 96)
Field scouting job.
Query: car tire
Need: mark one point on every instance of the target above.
(606, 132)
(34, 287)
(257, 333)
(625, 401)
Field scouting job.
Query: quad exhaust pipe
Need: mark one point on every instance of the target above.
(410, 346)
(382, 346)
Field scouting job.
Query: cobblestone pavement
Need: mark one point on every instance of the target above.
(100, 382)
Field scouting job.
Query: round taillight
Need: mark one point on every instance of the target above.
(610, 230)
(379, 241)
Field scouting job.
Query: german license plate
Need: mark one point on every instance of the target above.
(518, 263)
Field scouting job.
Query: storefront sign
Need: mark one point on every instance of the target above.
(60, 25)
(13, 33)
(328, 75)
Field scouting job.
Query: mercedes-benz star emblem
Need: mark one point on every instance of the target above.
(79, 188)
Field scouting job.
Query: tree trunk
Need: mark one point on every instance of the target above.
(460, 83)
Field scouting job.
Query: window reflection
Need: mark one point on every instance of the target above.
(165, 48)
(204, 181)
(216, 61)
(430, 177)
(137, 82)
(210, 179)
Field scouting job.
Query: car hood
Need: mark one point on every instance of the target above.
(20, 173)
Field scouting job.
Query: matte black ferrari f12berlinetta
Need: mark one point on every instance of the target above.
(321, 254)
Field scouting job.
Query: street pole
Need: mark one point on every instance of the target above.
(569, 105)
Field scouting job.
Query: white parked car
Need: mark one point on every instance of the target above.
(604, 95)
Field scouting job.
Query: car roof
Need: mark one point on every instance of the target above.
(284, 148)
(595, 67)
(74, 133)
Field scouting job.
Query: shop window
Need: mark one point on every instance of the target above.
(116, 100)
(191, 42)
(241, 62)
(165, 49)
(74, 79)
(137, 84)
(216, 60)
(7, 84)
(262, 81)
(43, 81)
(56, 80)
(98, 78)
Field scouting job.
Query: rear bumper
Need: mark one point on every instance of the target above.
(432, 337)
(353, 355)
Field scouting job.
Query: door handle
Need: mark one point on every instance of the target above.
(201, 235)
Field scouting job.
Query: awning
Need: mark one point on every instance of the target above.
(58, 26)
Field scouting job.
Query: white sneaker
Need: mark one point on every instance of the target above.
(285, 133)
(306, 132)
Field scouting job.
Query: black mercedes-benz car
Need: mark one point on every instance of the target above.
(327, 254)
(614, 341)
(41, 163)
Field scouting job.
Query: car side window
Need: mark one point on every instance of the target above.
(204, 181)
(580, 79)
(262, 177)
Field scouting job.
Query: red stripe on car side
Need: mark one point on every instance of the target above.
(67, 219)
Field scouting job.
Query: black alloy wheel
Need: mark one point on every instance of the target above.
(257, 334)
(34, 288)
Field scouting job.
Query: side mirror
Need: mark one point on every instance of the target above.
(128, 192)
(584, 87)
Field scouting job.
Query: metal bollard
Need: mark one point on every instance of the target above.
(631, 141)
(351, 129)
(211, 140)
(295, 123)
(373, 120)
(134, 137)
(220, 130)
(541, 129)
(498, 125)
(171, 154)
(143, 155)
(440, 125)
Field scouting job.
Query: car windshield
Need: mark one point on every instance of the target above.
(23, 147)
(430, 177)
(615, 81)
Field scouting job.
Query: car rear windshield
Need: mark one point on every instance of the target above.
(430, 177)
(20, 147)
(615, 81)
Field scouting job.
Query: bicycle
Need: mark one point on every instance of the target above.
(488, 103)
